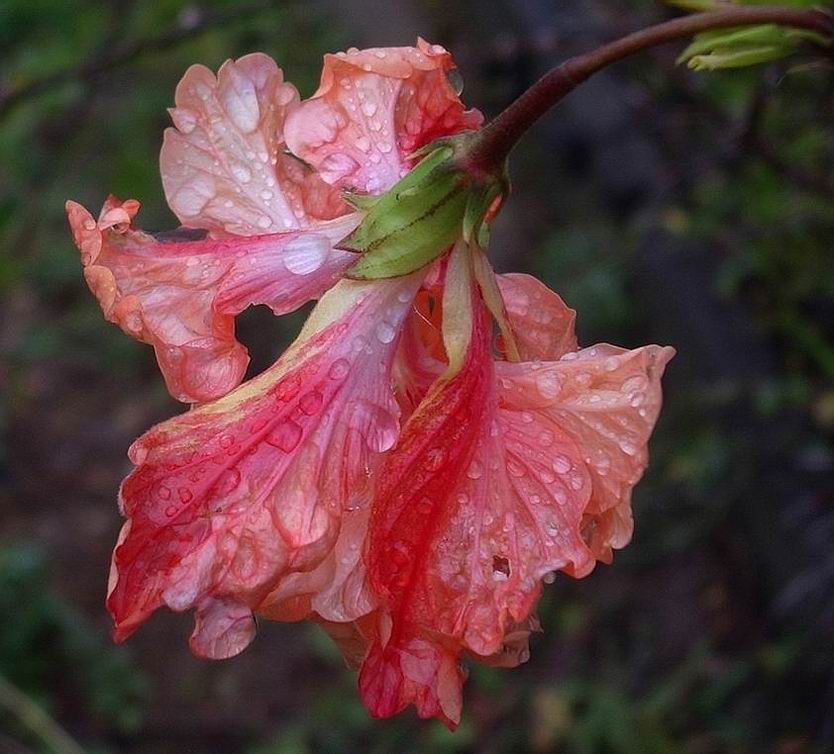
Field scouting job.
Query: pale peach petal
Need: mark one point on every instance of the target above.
(180, 296)
(372, 110)
(542, 323)
(231, 498)
(223, 166)
(607, 399)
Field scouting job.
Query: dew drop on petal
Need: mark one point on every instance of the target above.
(475, 470)
(339, 369)
(228, 481)
(311, 403)
(285, 436)
(549, 577)
(306, 253)
(241, 173)
(548, 384)
(561, 464)
(385, 332)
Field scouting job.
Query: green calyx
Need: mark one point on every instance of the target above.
(421, 216)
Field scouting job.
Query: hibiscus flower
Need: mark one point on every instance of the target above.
(400, 475)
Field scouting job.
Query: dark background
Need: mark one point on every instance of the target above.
(685, 209)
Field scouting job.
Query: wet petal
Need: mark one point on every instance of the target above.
(223, 165)
(542, 323)
(607, 399)
(469, 516)
(234, 496)
(372, 110)
(180, 296)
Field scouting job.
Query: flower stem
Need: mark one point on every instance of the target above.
(500, 135)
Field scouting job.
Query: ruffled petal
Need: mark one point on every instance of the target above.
(469, 516)
(223, 165)
(498, 481)
(607, 399)
(233, 496)
(180, 296)
(372, 110)
(543, 325)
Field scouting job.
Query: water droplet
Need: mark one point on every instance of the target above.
(311, 403)
(185, 494)
(561, 464)
(549, 577)
(515, 468)
(383, 429)
(363, 143)
(226, 441)
(228, 481)
(163, 492)
(266, 194)
(306, 253)
(285, 436)
(475, 470)
(241, 173)
(549, 384)
(264, 222)
(369, 108)
(339, 369)
(611, 364)
(385, 332)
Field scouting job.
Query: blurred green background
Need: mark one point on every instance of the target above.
(691, 210)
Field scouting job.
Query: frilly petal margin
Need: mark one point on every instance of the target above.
(223, 165)
(230, 499)
(181, 296)
(372, 110)
(506, 473)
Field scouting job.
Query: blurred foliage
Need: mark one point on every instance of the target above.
(712, 632)
(46, 645)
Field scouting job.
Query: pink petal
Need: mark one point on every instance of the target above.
(607, 399)
(499, 479)
(372, 110)
(236, 495)
(542, 323)
(180, 296)
(223, 166)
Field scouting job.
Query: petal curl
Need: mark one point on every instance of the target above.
(180, 296)
(543, 325)
(498, 480)
(607, 399)
(232, 497)
(372, 110)
(223, 165)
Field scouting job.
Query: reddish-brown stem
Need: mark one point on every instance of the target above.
(500, 135)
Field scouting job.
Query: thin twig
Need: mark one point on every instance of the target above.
(502, 133)
(193, 27)
(36, 719)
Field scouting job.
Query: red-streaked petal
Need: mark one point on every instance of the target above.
(542, 323)
(498, 480)
(232, 497)
(180, 296)
(607, 399)
(372, 110)
(469, 516)
(223, 166)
